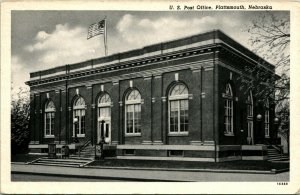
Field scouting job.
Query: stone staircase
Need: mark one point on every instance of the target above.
(69, 162)
(83, 157)
(86, 152)
(274, 155)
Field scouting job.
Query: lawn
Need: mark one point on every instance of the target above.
(230, 165)
(25, 157)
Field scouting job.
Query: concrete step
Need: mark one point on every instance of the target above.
(71, 161)
(82, 157)
(63, 160)
(60, 165)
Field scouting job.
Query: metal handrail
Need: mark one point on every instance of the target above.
(87, 142)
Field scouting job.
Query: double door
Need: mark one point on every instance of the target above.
(104, 124)
(104, 130)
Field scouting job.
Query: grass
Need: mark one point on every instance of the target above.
(25, 157)
(230, 165)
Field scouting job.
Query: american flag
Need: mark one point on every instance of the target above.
(96, 29)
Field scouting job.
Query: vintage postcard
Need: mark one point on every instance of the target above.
(182, 97)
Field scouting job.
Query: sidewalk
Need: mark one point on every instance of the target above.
(144, 175)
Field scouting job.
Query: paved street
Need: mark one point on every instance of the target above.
(142, 175)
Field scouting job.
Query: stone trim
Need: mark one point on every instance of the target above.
(157, 142)
(168, 147)
(166, 158)
(196, 143)
(153, 100)
(209, 142)
(146, 142)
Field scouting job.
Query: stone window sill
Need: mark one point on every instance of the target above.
(49, 136)
(229, 134)
(79, 135)
(133, 134)
(178, 134)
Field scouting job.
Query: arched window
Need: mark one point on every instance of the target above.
(250, 117)
(133, 112)
(178, 109)
(228, 109)
(267, 119)
(104, 104)
(49, 119)
(79, 113)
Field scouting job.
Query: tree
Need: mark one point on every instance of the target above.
(20, 121)
(270, 38)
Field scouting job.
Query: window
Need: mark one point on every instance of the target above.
(228, 108)
(267, 119)
(178, 110)
(49, 119)
(79, 113)
(133, 113)
(104, 104)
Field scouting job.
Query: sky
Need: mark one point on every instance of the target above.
(47, 39)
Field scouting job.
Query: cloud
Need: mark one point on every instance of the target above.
(19, 75)
(65, 45)
(138, 32)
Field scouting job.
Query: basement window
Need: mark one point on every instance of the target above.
(129, 152)
(176, 153)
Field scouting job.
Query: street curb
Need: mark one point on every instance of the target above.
(97, 177)
(273, 171)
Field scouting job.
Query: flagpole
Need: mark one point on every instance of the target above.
(105, 36)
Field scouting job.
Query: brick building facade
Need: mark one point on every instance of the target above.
(180, 99)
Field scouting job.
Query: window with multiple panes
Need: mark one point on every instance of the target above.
(104, 104)
(79, 113)
(49, 119)
(178, 109)
(267, 119)
(228, 110)
(133, 112)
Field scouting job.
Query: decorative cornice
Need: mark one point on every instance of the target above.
(124, 65)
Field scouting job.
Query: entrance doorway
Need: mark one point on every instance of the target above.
(250, 139)
(104, 130)
(104, 118)
(250, 132)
